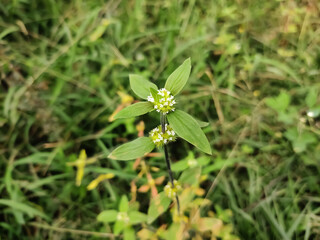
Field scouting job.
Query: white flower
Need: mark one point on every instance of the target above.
(150, 99)
(164, 103)
(172, 191)
(160, 138)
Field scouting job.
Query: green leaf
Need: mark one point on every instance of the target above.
(300, 141)
(141, 86)
(190, 176)
(137, 217)
(154, 94)
(30, 211)
(289, 116)
(129, 234)
(118, 227)
(124, 204)
(178, 78)
(311, 98)
(107, 216)
(134, 110)
(159, 204)
(279, 103)
(183, 164)
(202, 124)
(174, 232)
(188, 129)
(133, 150)
(179, 166)
(203, 161)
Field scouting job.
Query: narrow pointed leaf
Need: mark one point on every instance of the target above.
(202, 124)
(134, 110)
(154, 94)
(124, 204)
(22, 207)
(178, 78)
(179, 166)
(132, 150)
(129, 234)
(190, 176)
(141, 86)
(188, 129)
(158, 205)
(107, 216)
(118, 227)
(137, 217)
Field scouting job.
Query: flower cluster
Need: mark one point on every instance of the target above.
(163, 101)
(123, 216)
(170, 191)
(159, 138)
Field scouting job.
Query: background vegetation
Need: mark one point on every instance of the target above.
(255, 79)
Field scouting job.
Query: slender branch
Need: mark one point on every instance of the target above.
(166, 154)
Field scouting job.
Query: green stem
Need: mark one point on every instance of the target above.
(166, 154)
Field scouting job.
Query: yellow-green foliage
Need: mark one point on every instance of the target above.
(65, 72)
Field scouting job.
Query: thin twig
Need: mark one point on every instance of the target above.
(166, 155)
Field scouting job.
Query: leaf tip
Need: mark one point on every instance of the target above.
(209, 151)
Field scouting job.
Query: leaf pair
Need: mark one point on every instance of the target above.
(184, 125)
(141, 86)
(124, 218)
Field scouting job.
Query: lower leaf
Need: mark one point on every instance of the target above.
(158, 205)
(188, 128)
(133, 150)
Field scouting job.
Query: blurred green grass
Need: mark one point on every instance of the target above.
(255, 78)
